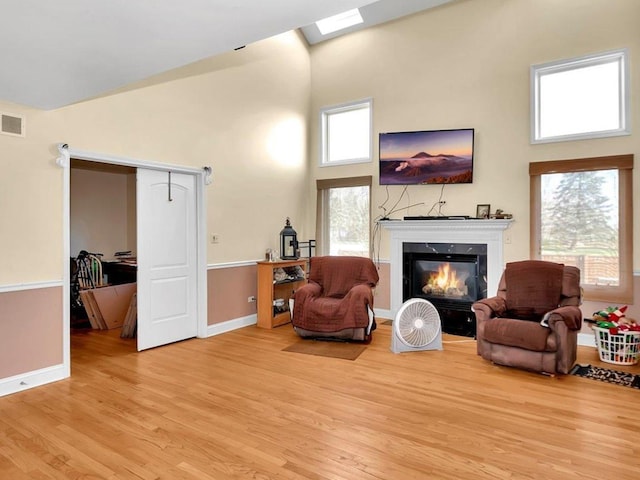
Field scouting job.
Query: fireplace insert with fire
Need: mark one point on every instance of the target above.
(451, 277)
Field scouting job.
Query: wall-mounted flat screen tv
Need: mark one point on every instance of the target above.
(426, 157)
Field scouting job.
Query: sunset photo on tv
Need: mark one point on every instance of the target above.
(426, 157)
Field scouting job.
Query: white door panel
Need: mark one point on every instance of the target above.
(174, 295)
(167, 253)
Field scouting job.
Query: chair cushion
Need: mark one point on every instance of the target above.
(534, 287)
(519, 333)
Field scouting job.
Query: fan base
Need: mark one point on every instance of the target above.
(397, 346)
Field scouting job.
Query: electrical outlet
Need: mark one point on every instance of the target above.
(215, 238)
(251, 299)
(507, 237)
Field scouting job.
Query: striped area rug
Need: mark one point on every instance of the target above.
(625, 379)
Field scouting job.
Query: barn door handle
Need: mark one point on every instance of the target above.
(170, 199)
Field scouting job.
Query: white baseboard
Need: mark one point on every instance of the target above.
(380, 313)
(586, 340)
(36, 378)
(230, 325)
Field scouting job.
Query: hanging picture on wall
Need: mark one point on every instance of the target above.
(426, 157)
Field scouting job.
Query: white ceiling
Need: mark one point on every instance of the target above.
(58, 52)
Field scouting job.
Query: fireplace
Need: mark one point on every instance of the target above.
(479, 243)
(450, 276)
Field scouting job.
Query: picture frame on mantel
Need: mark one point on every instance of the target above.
(483, 210)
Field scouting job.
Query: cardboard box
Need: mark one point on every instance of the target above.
(113, 303)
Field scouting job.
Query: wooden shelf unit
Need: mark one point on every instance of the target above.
(269, 290)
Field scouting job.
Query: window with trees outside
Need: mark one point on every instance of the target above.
(346, 133)
(581, 215)
(343, 216)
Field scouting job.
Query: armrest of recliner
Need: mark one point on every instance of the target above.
(570, 315)
(300, 298)
(565, 322)
(485, 310)
(490, 307)
(360, 294)
(362, 290)
(310, 289)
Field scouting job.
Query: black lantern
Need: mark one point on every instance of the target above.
(288, 242)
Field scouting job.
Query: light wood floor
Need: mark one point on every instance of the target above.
(235, 406)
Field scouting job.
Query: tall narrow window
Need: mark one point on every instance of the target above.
(584, 97)
(343, 225)
(346, 133)
(581, 215)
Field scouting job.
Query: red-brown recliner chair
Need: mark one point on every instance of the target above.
(337, 303)
(534, 320)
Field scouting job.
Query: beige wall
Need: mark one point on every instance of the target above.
(100, 210)
(245, 116)
(244, 113)
(467, 64)
(30, 201)
(132, 226)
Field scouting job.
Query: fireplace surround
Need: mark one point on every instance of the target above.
(474, 245)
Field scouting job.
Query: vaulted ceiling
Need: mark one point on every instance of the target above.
(55, 53)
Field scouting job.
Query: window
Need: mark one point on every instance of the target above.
(581, 215)
(343, 225)
(346, 133)
(580, 98)
(339, 22)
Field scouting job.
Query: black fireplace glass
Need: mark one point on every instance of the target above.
(453, 300)
(453, 279)
(422, 261)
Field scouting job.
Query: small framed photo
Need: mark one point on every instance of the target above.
(483, 211)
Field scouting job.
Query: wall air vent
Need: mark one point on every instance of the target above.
(11, 124)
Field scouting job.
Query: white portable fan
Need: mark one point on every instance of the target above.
(416, 327)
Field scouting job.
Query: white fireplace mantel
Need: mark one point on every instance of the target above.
(473, 231)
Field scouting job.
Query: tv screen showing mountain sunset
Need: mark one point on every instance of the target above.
(426, 157)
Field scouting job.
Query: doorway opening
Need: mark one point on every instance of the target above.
(103, 243)
(150, 245)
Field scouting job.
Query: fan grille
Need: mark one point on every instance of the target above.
(417, 323)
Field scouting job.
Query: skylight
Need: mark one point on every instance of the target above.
(339, 22)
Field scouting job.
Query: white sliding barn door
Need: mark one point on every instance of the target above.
(167, 255)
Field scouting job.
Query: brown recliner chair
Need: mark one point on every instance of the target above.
(337, 302)
(534, 320)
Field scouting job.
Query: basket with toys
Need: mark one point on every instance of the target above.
(617, 337)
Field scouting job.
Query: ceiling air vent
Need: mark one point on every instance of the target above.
(11, 124)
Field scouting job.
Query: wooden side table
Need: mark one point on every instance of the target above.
(271, 289)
